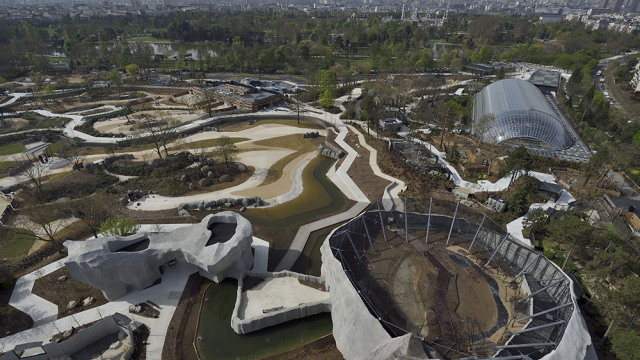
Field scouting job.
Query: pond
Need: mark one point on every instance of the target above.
(216, 339)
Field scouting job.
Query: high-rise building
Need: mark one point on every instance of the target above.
(634, 5)
(603, 4)
(618, 6)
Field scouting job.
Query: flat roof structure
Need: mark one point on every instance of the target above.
(244, 97)
(545, 80)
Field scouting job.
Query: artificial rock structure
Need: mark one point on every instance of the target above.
(220, 245)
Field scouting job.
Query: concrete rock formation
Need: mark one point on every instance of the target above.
(328, 152)
(220, 245)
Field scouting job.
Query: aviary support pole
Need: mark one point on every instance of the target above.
(426, 240)
(406, 221)
(453, 222)
(476, 235)
(381, 221)
(367, 230)
(496, 250)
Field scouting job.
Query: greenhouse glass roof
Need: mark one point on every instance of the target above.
(520, 112)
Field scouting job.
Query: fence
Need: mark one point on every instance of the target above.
(377, 247)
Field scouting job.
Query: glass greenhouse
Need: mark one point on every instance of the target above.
(521, 116)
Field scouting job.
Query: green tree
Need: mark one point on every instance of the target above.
(132, 70)
(536, 220)
(326, 99)
(119, 227)
(518, 162)
(626, 344)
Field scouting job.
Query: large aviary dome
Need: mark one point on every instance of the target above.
(522, 116)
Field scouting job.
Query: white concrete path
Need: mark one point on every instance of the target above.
(38, 308)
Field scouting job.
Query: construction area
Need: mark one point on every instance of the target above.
(455, 279)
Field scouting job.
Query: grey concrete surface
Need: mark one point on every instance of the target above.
(97, 262)
(356, 331)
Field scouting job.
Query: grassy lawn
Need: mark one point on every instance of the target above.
(240, 125)
(205, 144)
(353, 60)
(13, 148)
(293, 142)
(15, 245)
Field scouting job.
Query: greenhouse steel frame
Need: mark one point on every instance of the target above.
(521, 114)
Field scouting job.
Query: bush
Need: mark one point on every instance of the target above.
(119, 226)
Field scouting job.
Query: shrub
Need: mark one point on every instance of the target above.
(119, 226)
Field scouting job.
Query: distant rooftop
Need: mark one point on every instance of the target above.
(545, 78)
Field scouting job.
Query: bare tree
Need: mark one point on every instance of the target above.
(72, 154)
(42, 219)
(205, 98)
(34, 175)
(227, 150)
(160, 131)
(299, 107)
(93, 211)
(444, 119)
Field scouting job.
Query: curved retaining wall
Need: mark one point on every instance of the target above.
(244, 326)
(356, 331)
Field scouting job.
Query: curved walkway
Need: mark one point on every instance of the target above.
(343, 182)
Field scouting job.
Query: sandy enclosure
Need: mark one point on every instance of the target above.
(479, 302)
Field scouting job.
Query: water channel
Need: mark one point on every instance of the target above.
(215, 338)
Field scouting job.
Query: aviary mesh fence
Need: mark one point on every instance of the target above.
(416, 268)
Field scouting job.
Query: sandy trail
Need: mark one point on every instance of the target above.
(280, 187)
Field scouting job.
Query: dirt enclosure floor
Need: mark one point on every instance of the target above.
(399, 279)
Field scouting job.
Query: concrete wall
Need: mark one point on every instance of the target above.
(244, 326)
(356, 331)
(81, 340)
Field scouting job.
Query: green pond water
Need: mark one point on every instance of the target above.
(216, 339)
(319, 197)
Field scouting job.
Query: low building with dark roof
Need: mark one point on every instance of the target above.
(545, 80)
(549, 191)
(244, 96)
(628, 208)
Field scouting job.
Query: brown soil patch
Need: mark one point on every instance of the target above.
(178, 344)
(140, 336)
(172, 186)
(399, 268)
(361, 173)
(62, 292)
(278, 187)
